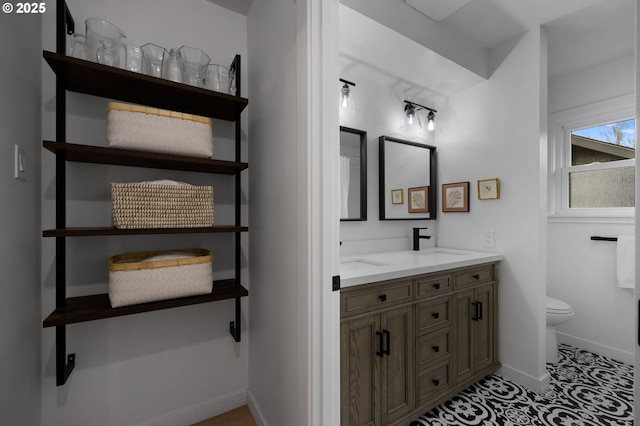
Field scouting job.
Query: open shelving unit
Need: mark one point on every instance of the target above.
(91, 78)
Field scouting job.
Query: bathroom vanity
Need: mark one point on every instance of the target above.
(416, 327)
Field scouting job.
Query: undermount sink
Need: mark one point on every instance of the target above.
(353, 264)
(438, 251)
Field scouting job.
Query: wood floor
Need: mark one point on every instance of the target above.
(239, 417)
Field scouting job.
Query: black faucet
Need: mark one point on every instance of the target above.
(417, 237)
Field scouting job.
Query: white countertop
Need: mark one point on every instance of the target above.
(373, 267)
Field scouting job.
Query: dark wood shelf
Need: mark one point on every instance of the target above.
(109, 230)
(95, 307)
(108, 82)
(126, 157)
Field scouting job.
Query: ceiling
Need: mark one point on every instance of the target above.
(581, 34)
(240, 6)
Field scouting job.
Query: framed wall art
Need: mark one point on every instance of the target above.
(418, 199)
(397, 196)
(455, 197)
(489, 189)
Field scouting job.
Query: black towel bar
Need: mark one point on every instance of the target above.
(596, 238)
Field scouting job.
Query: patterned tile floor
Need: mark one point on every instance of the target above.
(586, 390)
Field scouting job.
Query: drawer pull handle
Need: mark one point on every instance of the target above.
(380, 353)
(476, 276)
(478, 311)
(436, 315)
(383, 297)
(388, 350)
(436, 382)
(436, 286)
(436, 348)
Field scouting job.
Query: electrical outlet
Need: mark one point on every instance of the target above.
(489, 238)
(19, 163)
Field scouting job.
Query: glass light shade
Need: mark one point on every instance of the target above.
(411, 121)
(431, 123)
(347, 102)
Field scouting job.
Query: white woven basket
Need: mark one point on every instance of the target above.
(157, 130)
(159, 275)
(161, 204)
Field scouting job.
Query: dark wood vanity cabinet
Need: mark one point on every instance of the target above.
(410, 344)
(377, 353)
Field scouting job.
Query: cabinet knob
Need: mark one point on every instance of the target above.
(436, 286)
(383, 297)
(436, 348)
(436, 315)
(436, 382)
(476, 276)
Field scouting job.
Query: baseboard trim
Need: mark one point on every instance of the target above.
(255, 410)
(201, 411)
(539, 384)
(596, 348)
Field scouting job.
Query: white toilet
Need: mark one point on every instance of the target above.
(558, 312)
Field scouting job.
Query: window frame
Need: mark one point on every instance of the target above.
(561, 125)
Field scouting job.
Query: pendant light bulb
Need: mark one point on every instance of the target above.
(344, 98)
(431, 124)
(411, 122)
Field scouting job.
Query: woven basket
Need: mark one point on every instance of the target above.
(165, 204)
(159, 275)
(157, 130)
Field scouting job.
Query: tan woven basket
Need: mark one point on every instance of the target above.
(157, 130)
(151, 205)
(159, 275)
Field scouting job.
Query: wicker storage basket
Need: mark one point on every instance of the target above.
(161, 204)
(159, 275)
(157, 130)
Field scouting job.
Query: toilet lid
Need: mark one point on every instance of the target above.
(557, 306)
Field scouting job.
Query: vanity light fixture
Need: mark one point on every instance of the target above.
(346, 97)
(412, 121)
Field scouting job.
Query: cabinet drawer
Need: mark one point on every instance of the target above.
(432, 381)
(476, 275)
(432, 314)
(375, 296)
(432, 286)
(431, 347)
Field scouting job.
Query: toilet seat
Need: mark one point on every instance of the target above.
(558, 307)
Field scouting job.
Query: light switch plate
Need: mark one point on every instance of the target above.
(19, 163)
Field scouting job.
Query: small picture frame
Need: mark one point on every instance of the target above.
(455, 197)
(489, 189)
(418, 199)
(397, 196)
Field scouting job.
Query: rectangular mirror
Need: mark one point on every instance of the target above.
(408, 187)
(353, 174)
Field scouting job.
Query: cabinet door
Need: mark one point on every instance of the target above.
(485, 355)
(464, 338)
(397, 370)
(360, 371)
(475, 331)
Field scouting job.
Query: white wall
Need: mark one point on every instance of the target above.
(20, 322)
(582, 272)
(175, 366)
(380, 110)
(278, 369)
(493, 130)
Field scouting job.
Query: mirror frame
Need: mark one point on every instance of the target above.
(433, 182)
(363, 174)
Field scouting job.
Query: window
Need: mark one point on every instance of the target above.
(594, 167)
